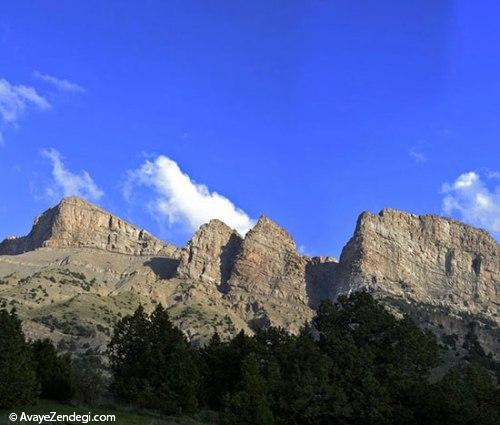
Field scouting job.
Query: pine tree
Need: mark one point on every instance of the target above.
(152, 363)
(18, 383)
(54, 372)
(249, 405)
(127, 352)
(382, 363)
(174, 365)
(221, 366)
(465, 395)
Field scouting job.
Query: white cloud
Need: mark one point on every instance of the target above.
(60, 84)
(182, 200)
(70, 184)
(14, 100)
(417, 156)
(475, 203)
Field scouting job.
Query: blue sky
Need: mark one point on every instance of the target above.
(309, 112)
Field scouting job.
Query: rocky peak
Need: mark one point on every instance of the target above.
(265, 228)
(269, 264)
(442, 272)
(75, 222)
(427, 259)
(210, 254)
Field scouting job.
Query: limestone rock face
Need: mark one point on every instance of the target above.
(268, 281)
(210, 254)
(443, 273)
(77, 223)
(269, 264)
(425, 259)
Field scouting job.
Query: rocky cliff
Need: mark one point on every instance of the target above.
(438, 269)
(268, 264)
(424, 258)
(267, 284)
(210, 254)
(78, 223)
(442, 272)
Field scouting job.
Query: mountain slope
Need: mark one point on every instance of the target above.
(81, 268)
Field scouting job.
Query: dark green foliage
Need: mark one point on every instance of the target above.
(381, 363)
(298, 376)
(220, 365)
(90, 382)
(152, 363)
(464, 396)
(354, 364)
(248, 405)
(54, 372)
(476, 353)
(18, 383)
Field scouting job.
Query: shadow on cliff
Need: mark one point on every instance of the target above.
(320, 280)
(164, 268)
(228, 256)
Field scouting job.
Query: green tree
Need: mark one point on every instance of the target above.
(18, 383)
(90, 380)
(127, 352)
(249, 404)
(54, 372)
(465, 396)
(381, 363)
(476, 353)
(152, 363)
(221, 367)
(297, 373)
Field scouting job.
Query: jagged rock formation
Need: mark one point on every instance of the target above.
(425, 258)
(269, 265)
(77, 223)
(209, 256)
(268, 280)
(428, 266)
(91, 265)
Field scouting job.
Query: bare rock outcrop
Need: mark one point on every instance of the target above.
(443, 273)
(269, 264)
(75, 222)
(428, 259)
(210, 254)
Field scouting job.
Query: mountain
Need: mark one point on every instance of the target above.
(442, 272)
(81, 268)
(77, 223)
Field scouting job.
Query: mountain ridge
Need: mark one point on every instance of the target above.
(75, 222)
(441, 271)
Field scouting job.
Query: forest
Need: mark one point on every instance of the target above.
(354, 363)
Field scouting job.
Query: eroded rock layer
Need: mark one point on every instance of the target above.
(210, 254)
(267, 285)
(78, 223)
(269, 264)
(424, 258)
(82, 267)
(440, 266)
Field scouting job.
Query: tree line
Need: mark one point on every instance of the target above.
(354, 363)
